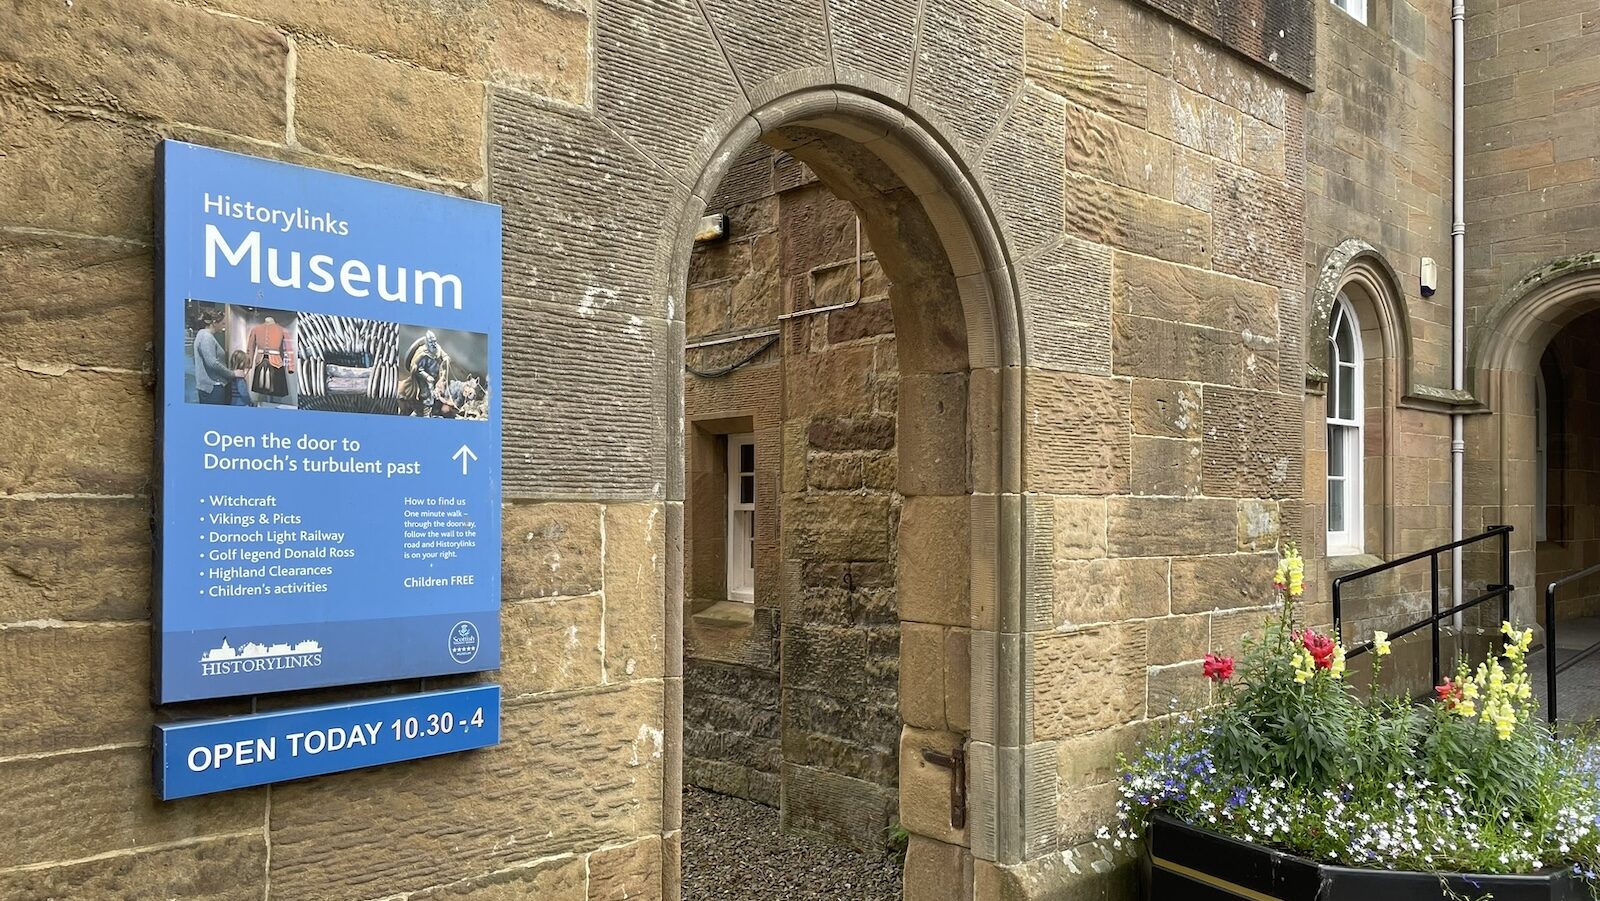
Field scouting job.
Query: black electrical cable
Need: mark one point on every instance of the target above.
(746, 360)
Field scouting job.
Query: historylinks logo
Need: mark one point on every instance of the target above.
(463, 642)
(255, 657)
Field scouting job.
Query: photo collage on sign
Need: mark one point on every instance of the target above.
(248, 356)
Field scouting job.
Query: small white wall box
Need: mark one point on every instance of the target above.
(1430, 276)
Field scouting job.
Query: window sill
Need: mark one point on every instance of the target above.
(725, 614)
(1343, 562)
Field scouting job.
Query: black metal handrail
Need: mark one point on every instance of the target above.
(1551, 668)
(1501, 590)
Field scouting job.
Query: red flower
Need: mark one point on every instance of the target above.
(1449, 693)
(1319, 646)
(1218, 668)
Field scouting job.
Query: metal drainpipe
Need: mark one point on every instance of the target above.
(1458, 290)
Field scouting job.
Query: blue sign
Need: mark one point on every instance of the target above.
(216, 755)
(330, 389)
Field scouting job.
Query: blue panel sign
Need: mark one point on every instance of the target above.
(330, 429)
(217, 755)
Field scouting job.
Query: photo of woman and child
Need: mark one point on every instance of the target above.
(256, 372)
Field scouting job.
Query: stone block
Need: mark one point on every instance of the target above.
(351, 105)
(1206, 68)
(104, 668)
(837, 527)
(922, 686)
(845, 810)
(969, 65)
(661, 79)
(1088, 680)
(1166, 409)
(1091, 759)
(1129, 30)
(230, 868)
(872, 432)
(1163, 526)
(551, 550)
(868, 320)
(1175, 639)
(551, 646)
(935, 869)
(837, 382)
(1203, 584)
(1023, 166)
(1197, 122)
(51, 815)
(1264, 147)
(932, 419)
(1161, 290)
(925, 787)
(827, 659)
(1257, 226)
(1114, 151)
(1077, 437)
(1080, 528)
(877, 37)
(1178, 688)
(1101, 591)
(933, 560)
(1087, 75)
(958, 679)
(75, 559)
(539, 794)
(1251, 443)
(449, 36)
(1158, 349)
(635, 585)
(1166, 466)
(156, 60)
(49, 157)
(590, 410)
(766, 40)
(542, 48)
(1110, 214)
(1260, 525)
(82, 301)
(100, 440)
(1066, 291)
(559, 879)
(630, 872)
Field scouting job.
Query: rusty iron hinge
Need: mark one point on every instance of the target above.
(956, 763)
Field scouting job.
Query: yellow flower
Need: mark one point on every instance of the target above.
(1380, 644)
(1337, 669)
(1305, 666)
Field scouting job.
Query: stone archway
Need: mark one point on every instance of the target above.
(1502, 481)
(956, 338)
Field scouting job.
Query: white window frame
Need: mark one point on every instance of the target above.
(1349, 483)
(1541, 455)
(1357, 9)
(741, 521)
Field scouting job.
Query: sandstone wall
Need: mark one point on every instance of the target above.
(570, 805)
(1121, 202)
(1533, 209)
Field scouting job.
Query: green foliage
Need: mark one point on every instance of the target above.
(1294, 758)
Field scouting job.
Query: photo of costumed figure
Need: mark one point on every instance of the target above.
(348, 365)
(239, 356)
(444, 373)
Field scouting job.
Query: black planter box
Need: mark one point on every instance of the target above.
(1185, 863)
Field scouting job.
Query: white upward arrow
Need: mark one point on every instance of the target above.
(464, 454)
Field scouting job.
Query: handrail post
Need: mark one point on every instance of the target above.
(1550, 649)
(1505, 576)
(1433, 564)
(1338, 618)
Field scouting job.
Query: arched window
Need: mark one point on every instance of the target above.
(1345, 413)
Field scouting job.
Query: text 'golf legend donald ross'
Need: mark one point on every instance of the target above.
(330, 400)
